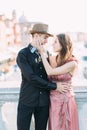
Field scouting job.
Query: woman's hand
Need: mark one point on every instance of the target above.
(40, 47)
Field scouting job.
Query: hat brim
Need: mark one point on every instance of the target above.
(32, 32)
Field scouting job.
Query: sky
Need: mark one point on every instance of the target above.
(60, 15)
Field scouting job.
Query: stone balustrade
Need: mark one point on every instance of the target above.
(12, 94)
(7, 95)
(81, 99)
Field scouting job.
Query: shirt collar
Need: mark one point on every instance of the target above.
(32, 48)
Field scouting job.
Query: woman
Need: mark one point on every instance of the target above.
(63, 113)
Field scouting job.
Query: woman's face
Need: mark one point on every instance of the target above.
(56, 45)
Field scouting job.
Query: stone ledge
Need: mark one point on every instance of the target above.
(12, 94)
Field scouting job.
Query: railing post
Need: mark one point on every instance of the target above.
(81, 99)
(2, 123)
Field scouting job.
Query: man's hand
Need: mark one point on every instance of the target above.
(63, 87)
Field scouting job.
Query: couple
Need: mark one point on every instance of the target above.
(46, 89)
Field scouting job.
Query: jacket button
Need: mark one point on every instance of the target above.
(40, 92)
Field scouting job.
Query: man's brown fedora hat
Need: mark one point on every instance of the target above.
(40, 28)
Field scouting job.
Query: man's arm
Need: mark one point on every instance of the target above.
(31, 76)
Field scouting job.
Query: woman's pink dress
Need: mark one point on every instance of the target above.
(63, 114)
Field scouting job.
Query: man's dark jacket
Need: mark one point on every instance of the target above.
(35, 86)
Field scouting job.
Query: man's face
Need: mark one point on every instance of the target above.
(43, 38)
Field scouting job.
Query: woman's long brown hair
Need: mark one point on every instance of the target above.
(66, 52)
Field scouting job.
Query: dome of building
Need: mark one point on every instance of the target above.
(23, 19)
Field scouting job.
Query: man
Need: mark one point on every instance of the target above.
(35, 87)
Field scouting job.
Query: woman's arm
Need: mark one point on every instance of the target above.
(67, 67)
